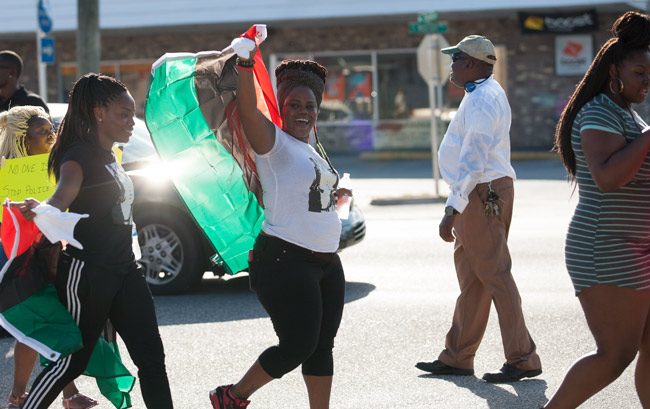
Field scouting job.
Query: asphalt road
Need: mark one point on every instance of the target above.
(401, 289)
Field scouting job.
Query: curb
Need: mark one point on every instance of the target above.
(407, 199)
(421, 155)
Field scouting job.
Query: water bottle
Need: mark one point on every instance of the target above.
(343, 201)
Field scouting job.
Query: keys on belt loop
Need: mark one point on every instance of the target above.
(492, 203)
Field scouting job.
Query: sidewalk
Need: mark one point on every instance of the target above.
(402, 155)
(418, 165)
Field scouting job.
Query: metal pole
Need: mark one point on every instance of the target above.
(42, 72)
(88, 36)
(433, 84)
(374, 95)
(434, 137)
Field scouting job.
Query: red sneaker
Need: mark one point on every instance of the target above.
(222, 398)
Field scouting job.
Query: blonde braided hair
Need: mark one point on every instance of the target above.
(13, 129)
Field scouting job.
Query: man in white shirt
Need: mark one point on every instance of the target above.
(474, 160)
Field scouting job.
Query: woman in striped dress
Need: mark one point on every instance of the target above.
(606, 151)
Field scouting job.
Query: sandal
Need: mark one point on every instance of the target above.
(15, 402)
(79, 401)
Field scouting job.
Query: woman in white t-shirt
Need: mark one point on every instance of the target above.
(295, 270)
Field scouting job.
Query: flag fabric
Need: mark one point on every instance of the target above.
(30, 309)
(114, 381)
(18, 235)
(194, 123)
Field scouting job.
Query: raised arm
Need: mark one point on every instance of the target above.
(259, 130)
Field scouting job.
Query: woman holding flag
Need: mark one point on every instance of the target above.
(26, 131)
(102, 280)
(294, 268)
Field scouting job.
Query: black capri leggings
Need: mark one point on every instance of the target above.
(303, 292)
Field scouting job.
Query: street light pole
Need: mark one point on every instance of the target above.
(88, 36)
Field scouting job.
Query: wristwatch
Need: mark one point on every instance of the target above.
(450, 211)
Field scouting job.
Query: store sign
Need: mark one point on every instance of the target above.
(573, 54)
(577, 22)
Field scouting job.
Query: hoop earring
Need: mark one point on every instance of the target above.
(620, 86)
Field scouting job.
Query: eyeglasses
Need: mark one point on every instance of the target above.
(457, 57)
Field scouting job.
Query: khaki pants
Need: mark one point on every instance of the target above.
(483, 267)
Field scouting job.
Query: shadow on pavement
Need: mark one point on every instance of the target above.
(528, 393)
(219, 300)
(216, 300)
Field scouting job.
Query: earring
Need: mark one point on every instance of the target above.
(620, 86)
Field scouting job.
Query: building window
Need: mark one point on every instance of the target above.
(134, 74)
(401, 90)
(348, 89)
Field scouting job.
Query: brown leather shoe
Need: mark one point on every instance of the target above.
(509, 373)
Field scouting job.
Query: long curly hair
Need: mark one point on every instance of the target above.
(14, 124)
(630, 35)
(79, 124)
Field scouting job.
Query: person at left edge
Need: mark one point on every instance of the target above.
(102, 281)
(25, 131)
(12, 93)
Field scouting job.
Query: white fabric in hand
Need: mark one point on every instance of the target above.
(260, 33)
(56, 225)
(243, 47)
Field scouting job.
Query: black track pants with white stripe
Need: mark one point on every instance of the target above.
(92, 296)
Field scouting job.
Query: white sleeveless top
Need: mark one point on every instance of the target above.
(298, 196)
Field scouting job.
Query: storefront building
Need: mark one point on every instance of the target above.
(375, 98)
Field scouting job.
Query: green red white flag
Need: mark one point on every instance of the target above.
(30, 310)
(29, 307)
(193, 120)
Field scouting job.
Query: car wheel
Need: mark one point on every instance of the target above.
(171, 254)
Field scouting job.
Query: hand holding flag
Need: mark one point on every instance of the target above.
(243, 47)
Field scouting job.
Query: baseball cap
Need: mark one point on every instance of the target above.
(475, 46)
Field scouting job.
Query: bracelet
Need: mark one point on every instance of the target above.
(245, 63)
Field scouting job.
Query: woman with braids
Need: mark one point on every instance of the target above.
(26, 131)
(102, 281)
(294, 270)
(605, 148)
